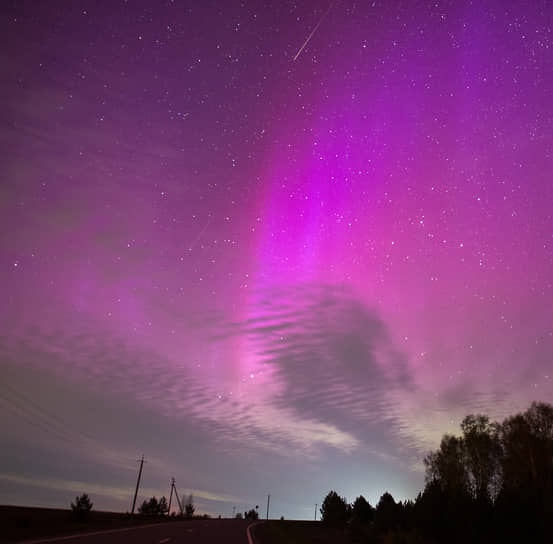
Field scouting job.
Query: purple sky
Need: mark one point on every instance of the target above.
(268, 275)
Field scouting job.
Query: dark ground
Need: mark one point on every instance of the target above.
(297, 532)
(19, 523)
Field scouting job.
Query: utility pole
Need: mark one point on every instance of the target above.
(316, 511)
(181, 510)
(171, 496)
(233, 511)
(137, 484)
(268, 502)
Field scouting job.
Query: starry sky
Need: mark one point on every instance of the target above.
(274, 246)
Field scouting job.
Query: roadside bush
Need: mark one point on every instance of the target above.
(81, 507)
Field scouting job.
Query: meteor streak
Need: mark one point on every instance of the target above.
(313, 31)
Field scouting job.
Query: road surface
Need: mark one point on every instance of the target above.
(213, 531)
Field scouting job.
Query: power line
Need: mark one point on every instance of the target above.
(26, 408)
(42, 425)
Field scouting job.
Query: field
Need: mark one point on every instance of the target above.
(297, 532)
(19, 523)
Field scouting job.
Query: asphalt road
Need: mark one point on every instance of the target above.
(214, 531)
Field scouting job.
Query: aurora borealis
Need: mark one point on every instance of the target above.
(268, 275)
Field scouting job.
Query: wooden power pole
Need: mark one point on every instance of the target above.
(137, 483)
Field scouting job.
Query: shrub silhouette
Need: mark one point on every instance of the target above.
(153, 507)
(81, 507)
(252, 514)
(189, 506)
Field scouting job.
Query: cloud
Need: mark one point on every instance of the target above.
(101, 361)
(331, 356)
(309, 367)
(115, 492)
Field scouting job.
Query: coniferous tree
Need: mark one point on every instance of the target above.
(189, 508)
(362, 511)
(81, 507)
(334, 510)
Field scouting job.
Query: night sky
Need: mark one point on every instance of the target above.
(276, 247)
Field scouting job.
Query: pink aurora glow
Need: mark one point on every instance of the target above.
(339, 255)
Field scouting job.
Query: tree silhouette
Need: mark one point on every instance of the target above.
(163, 507)
(362, 511)
(494, 483)
(252, 514)
(386, 514)
(334, 510)
(527, 441)
(527, 465)
(446, 465)
(81, 507)
(189, 508)
(482, 451)
(153, 507)
(500, 477)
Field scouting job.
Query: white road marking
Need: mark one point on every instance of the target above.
(249, 528)
(164, 540)
(80, 535)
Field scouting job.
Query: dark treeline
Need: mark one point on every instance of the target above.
(493, 483)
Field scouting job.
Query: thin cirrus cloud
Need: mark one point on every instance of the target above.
(322, 370)
(336, 361)
(116, 492)
(316, 367)
(105, 363)
(332, 358)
